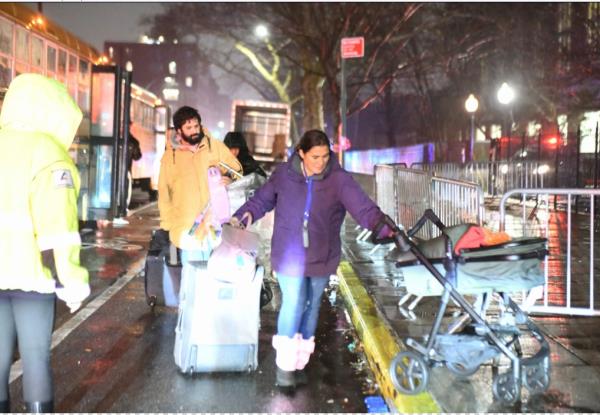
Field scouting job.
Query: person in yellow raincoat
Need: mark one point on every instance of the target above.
(39, 239)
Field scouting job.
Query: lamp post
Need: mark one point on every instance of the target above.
(506, 95)
(471, 105)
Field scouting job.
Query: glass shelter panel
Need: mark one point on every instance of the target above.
(103, 104)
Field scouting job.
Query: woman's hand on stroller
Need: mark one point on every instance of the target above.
(386, 231)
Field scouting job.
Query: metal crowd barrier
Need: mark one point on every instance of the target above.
(494, 177)
(413, 196)
(456, 202)
(411, 191)
(570, 286)
(384, 188)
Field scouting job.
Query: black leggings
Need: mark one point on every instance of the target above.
(28, 319)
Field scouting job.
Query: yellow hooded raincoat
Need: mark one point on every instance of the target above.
(39, 184)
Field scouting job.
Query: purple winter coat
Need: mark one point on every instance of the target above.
(334, 193)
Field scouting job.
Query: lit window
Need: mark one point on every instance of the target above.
(173, 67)
(188, 81)
(129, 66)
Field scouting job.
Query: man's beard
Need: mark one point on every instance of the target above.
(192, 139)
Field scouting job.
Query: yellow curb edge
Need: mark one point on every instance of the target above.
(380, 345)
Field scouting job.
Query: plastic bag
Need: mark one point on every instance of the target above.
(235, 258)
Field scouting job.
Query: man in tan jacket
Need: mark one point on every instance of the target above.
(183, 190)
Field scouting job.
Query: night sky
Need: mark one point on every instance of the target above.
(97, 22)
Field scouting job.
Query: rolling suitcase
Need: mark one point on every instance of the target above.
(162, 275)
(219, 309)
(217, 327)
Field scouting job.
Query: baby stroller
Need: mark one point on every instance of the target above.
(494, 270)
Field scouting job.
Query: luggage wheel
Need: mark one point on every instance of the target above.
(152, 301)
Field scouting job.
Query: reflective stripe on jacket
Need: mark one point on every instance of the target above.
(39, 185)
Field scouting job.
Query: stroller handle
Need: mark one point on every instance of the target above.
(399, 237)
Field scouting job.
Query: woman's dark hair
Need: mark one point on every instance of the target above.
(183, 114)
(312, 138)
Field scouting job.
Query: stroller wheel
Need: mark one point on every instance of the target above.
(461, 370)
(505, 389)
(536, 379)
(409, 372)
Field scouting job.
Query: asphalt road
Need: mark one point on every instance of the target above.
(119, 355)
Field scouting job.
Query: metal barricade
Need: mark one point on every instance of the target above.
(494, 177)
(456, 202)
(570, 286)
(412, 197)
(385, 189)
(414, 191)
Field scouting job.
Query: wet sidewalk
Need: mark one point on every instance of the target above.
(115, 354)
(373, 287)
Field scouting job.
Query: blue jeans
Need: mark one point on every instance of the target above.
(301, 299)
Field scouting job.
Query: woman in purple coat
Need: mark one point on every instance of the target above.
(310, 194)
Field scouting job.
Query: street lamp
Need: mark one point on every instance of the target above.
(506, 95)
(471, 105)
(261, 31)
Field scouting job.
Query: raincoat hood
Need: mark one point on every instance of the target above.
(53, 113)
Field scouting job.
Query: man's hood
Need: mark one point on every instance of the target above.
(35, 103)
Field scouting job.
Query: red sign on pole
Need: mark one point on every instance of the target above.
(353, 47)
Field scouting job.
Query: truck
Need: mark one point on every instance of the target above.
(266, 127)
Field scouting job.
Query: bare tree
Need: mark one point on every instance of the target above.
(302, 51)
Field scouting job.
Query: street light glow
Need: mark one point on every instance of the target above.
(506, 94)
(471, 104)
(261, 31)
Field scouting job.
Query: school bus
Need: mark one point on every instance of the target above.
(31, 43)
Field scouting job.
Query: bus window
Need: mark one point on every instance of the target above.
(22, 46)
(37, 54)
(5, 72)
(21, 51)
(83, 94)
(51, 61)
(6, 37)
(84, 73)
(72, 76)
(62, 65)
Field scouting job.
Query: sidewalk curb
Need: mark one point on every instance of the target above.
(380, 345)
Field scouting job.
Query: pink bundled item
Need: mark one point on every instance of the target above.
(219, 200)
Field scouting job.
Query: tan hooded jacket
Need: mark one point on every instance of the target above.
(183, 182)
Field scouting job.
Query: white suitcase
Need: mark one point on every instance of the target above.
(218, 321)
